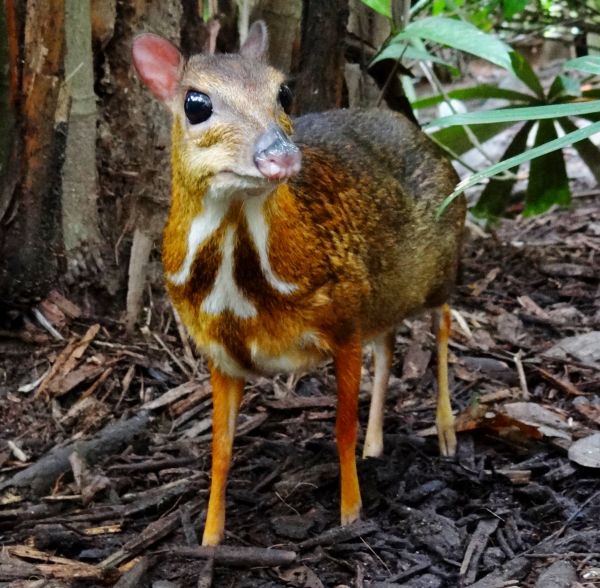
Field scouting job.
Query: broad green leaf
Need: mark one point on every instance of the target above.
(501, 166)
(588, 152)
(526, 74)
(459, 35)
(519, 114)
(482, 92)
(548, 182)
(403, 51)
(456, 140)
(496, 195)
(587, 64)
(381, 6)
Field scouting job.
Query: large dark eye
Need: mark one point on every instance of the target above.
(285, 97)
(197, 106)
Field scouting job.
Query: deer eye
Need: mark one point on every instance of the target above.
(197, 106)
(285, 97)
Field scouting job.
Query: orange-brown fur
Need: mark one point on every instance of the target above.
(338, 255)
(362, 259)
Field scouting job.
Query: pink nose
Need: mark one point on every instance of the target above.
(275, 156)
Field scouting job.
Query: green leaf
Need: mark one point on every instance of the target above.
(588, 152)
(526, 74)
(587, 64)
(403, 51)
(459, 35)
(482, 92)
(495, 196)
(456, 140)
(563, 86)
(538, 151)
(548, 181)
(518, 114)
(380, 6)
(512, 7)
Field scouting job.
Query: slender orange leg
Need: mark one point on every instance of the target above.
(444, 417)
(383, 354)
(348, 361)
(227, 395)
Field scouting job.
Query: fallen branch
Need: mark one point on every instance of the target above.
(52, 566)
(244, 557)
(40, 476)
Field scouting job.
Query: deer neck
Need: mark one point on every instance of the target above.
(205, 240)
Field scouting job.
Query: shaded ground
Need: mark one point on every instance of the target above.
(511, 504)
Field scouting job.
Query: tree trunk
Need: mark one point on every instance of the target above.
(80, 224)
(134, 142)
(283, 20)
(320, 83)
(30, 237)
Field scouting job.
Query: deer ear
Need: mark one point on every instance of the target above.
(157, 62)
(256, 44)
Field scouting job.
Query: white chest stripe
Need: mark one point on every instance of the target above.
(259, 232)
(201, 228)
(225, 294)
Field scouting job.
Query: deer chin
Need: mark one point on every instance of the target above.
(230, 184)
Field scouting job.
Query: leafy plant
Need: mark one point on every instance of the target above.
(542, 114)
(548, 112)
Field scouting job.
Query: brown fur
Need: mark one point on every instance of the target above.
(354, 235)
(355, 230)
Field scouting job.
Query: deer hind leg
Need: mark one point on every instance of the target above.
(227, 395)
(348, 363)
(383, 354)
(444, 417)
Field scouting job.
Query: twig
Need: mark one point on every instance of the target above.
(174, 394)
(151, 534)
(340, 534)
(475, 549)
(185, 341)
(44, 322)
(521, 372)
(560, 531)
(246, 557)
(171, 354)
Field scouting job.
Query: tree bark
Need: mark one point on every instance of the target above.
(320, 83)
(134, 141)
(80, 223)
(283, 19)
(30, 236)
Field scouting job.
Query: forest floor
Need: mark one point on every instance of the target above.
(105, 444)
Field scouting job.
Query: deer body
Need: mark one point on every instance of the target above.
(278, 266)
(278, 280)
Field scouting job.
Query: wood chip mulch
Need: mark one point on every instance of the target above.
(105, 444)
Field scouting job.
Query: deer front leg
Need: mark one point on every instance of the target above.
(348, 361)
(227, 395)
